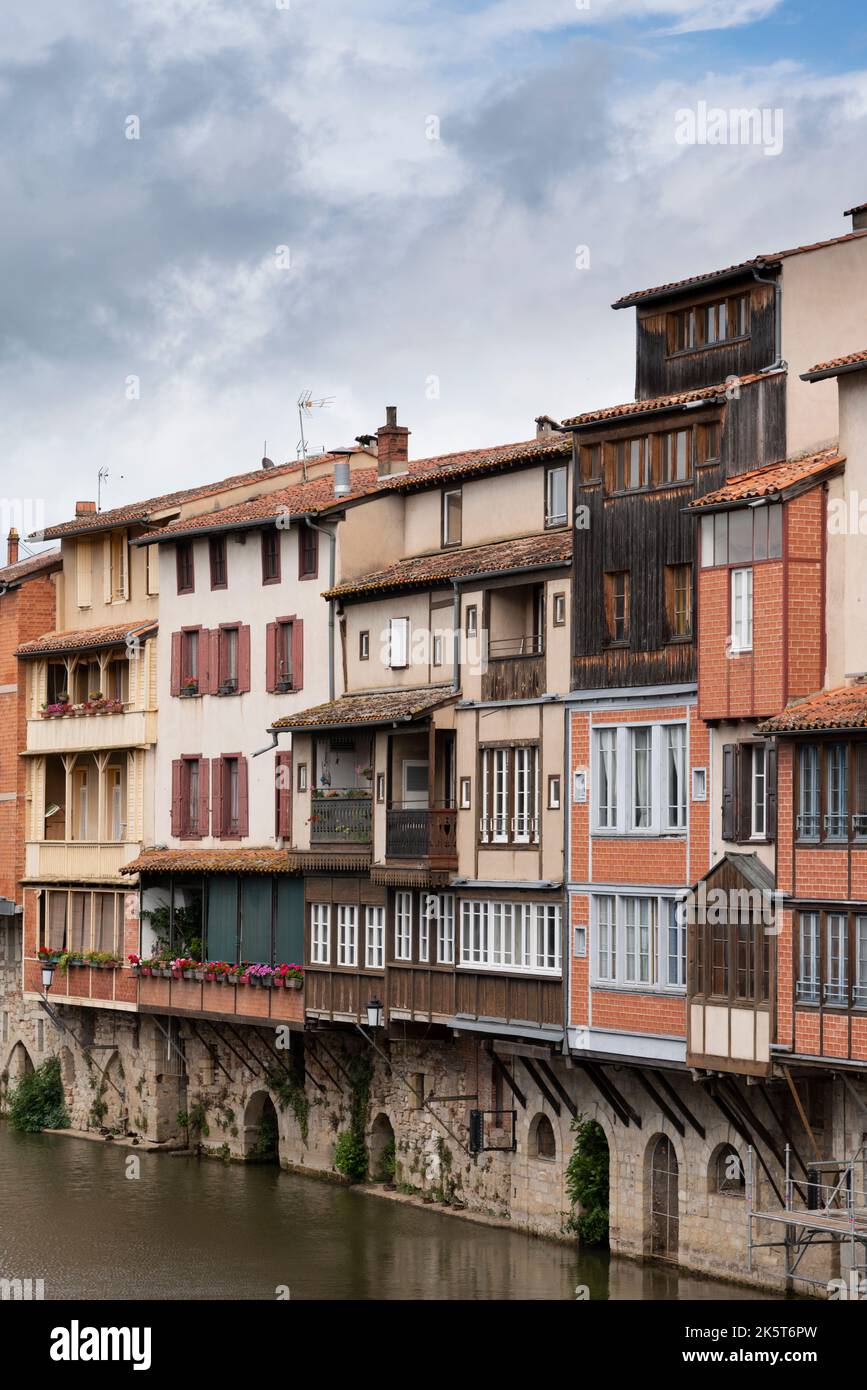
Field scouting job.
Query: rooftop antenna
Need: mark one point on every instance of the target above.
(102, 477)
(306, 406)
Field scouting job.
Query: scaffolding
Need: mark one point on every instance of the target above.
(835, 1213)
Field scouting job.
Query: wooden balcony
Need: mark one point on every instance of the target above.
(422, 832)
(340, 995)
(51, 860)
(341, 820)
(516, 669)
(74, 733)
(514, 999)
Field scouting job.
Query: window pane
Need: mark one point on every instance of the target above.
(641, 805)
(740, 536)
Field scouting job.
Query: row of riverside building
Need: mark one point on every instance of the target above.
(555, 750)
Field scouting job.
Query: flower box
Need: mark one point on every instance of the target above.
(293, 983)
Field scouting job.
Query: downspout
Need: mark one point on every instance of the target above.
(456, 637)
(332, 547)
(778, 364)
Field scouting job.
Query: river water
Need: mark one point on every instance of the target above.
(191, 1228)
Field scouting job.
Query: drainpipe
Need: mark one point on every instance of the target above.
(778, 362)
(332, 547)
(456, 637)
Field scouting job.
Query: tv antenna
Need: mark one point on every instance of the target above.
(102, 477)
(306, 407)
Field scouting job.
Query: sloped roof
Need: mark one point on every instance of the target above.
(370, 708)
(551, 548)
(668, 402)
(835, 366)
(249, 860)
(731, 271)
(45, 563)
(842, 708)
(85, 639)
(316, 495)
(773, 480)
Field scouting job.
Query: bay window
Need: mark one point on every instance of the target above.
(639, 941)
(320, 933)
(640, 782)
(347, 934)
(510, 795)
(403, 926)
(513, 936)
(374, 925)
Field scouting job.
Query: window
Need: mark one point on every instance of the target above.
(758, 800)
(185, 570)
(437, 649)
(554, 784)
(347, 935)
(699, 784)
(271, 556)
(115, 823)
(832, 792)
(727, 1176)
(217, 555)
(302, 777)
(590, 461)
(639, 941)
(836, 789)
(708, 325)
(452, 508)
(190, 804)
(742, 610)
(320, 933)
(374, 937)
(364, 646)
(606, 750)
(510, 795)
(643, 768)
(509, 935)
(380, 788)
(808, 982)
(559, 613)
(859, 989)
(743, 535)
(542, 1143)
(308, 552)
(119, 578)
(230, 812)
(466, 793)
(837, 977)
(678, 599)
(446, 929)
(606, 938)
(228, 660)
(676, 945)
(190, 660)
(675, 775)
(641, 748)
(676, 456)
(425, 914)
(556, 488)
(617, 606)
(749, 792)
(403, 926)
(472, 621)
(285, 655)
(632, 464)
(398, 643)
(709, 442)
(231, 796)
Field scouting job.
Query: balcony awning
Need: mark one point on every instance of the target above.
(372, 709)
(842, 708)
(258, 860)
(85, 639)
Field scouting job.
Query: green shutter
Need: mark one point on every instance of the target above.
(256, 918)
(222, 939)
(289, 946)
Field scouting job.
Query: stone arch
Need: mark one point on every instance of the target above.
(541, 1139)
(662, 1198)
(19, 1062)
(381, 1148)
(261, 1132)
(726, 1175)
(108, 1107)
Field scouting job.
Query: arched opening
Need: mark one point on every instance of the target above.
(664, 1205)
(542, 1141)
(382, 1150)
(108, 1109)
(725, 1173)
(261, 1131)
(20, 1063)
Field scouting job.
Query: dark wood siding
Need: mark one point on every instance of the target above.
(658, 372)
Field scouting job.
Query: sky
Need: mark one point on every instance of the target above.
(209, 207)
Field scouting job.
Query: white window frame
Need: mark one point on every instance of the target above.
(403, 926)
(446, 929)
(520, 937)
(553, 516)
(742, 609)
(320, 933)
(632, 948)
(859, 985)
(837, 968)
(347, 934)
(675, 743)
(620, 819)
(424, 916)
(759, 792)
(606, 755)
(374, 938)
(807, 988)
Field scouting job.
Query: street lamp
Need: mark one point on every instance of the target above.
(47, 974)
(374, 1013)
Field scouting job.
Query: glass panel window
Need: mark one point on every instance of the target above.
(676, 776)
(555, 496)
(374, 936)
(759, 792)
(606, 938)
(808, 982)
(808, 816)
(452, 517)
(347, 935)
(446, 929)
(547, 936)
(403, 926)
(320, 933)
(500, 795)
(640, 940)
(837, 979)
(424, 919)
(677, 456)
(607, 772)
(859, 990)
(742, 610)
(641, 756)
(836, 819)
(676, 944)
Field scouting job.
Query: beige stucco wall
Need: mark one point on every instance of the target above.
(93, 552)
(846, 601)
(493, 509)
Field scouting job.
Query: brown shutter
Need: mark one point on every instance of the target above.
(243, 799)
(217, 797)
(728, 792)
(243, 658)
(177, 820)
(204, 661)
(271, 656)
(771, 801)
(204, 797)
(283, 772)
(298, 654)
(743, 791)
(214, 661)
(175, 677)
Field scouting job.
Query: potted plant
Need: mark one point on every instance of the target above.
(229, 686)
(289, 976)
(135, 963)
(190, 686)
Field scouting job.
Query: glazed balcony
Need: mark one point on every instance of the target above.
(422, 832)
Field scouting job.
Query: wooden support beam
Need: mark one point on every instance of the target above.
(781, 1126)
(314, 1057)
(542, 1085)
(233, 1050)
(503, 1071)
(740, 1128)
(520, 1049)
(801, 1111)
(740, 1102)
(662, 1105)
(675, 1099)
(609, 1092)
(564, 1095)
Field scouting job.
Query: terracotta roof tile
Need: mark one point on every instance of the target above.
(772, 480)
(85, 638)
(313, 496)
(843, 708)
(257, 860)
(835, 365)
(654, 403)
(552, 548)
(637, 296)
(37, 564)
(371, 707)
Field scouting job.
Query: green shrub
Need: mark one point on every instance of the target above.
(587, 1181)
(350, 1156)
(38, 1101)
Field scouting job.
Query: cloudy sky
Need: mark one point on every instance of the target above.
(379, 201)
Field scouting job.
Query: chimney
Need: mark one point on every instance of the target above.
(392, 445)
(342, 484)
(547, 427)
(12, 547)
(859, 217)
(84, 508)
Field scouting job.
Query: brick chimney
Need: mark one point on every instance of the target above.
(84, 508)
(858, 215)
(12, 547)
(392, 445)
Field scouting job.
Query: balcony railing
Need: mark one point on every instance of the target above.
(59, 859)
(529, 644)
(73, 733)
(341, 820)
(421, 832)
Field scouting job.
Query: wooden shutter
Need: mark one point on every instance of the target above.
(213, 660)
(83, 570)
(397, 645)
(175, 676)
(243, 658)
(106, 568)
(728, 792)
(204, 797)
(771, 799)
(177, 813)
(298, 654)
(217, 797)
(283, 781)
(271, 656)
(243, 799)
(743, 791)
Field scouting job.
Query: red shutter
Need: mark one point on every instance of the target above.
(243, 658)
(243, 799)
(271, 657)
(175, 678)
(204, 797)
(204, 660)
(214, 661)
(176, 797)
(217, 797)
(284, 795)
(298, 654)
